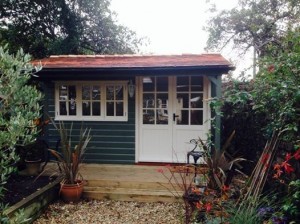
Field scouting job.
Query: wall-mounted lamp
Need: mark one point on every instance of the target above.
(131, 89)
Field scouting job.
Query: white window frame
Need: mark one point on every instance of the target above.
(102, 117)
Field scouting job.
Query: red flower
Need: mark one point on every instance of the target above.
(287, 167)
(278, 174)
(225, 188)
(288, 156)
(199, 205)
(277, 166)
(208, 206)
(297, 154)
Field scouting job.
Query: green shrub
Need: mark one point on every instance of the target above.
(19, 107)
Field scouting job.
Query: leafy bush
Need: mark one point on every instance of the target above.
(19, 107)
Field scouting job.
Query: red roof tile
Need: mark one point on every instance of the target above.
(134, 61)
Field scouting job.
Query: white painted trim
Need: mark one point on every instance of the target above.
(137, 119)
(79, 116)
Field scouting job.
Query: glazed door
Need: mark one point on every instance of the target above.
(171, 112)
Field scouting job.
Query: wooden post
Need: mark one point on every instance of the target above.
(216, 91)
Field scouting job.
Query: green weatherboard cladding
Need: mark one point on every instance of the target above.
(112, 142)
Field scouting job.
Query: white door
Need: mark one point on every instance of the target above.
(171, 113)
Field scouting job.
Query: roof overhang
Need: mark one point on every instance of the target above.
(86, 66)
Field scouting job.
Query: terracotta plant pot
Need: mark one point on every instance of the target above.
(33, 167)
(71, 192)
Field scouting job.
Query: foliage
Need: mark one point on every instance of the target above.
(247, 211)
(43, 28)
(71, 156)
(217, 163)
(287, 174)
(19, 107)
(201, 203)
(276, 91)
(238, 115)
(254, 23)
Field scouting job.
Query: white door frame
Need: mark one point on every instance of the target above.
(172, 96)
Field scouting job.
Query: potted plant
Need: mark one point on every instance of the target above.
(33, 158)
(70, 158)
(35, 153)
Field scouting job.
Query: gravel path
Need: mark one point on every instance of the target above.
(112, 212)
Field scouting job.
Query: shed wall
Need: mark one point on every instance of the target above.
(112, 142)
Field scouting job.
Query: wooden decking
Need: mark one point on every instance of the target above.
(127, 183)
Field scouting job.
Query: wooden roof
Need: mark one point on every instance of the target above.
(134, 61)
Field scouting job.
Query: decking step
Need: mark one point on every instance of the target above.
(131, 184)
(130, 194)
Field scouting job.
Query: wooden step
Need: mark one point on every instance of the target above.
(131, 184)
(130, 194)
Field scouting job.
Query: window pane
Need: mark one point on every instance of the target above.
(196, 101)
(72, 107)
(62, 108)
(110, 92)
(148, 84)
(86, 108)
(96, 93)
(119, 109)
(119, 92)
(86, 90)
(148, 117)
(110, 109)
(196, 117)
(182, 84)
(72, 92)
(96, 108)
(63, 93)
(162, 84)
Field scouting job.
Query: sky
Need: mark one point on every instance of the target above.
(172, 26)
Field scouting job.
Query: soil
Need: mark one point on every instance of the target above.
(19, 187)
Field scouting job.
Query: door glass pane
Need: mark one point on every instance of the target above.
(110, 109)
(182, 84)
(148, 100)
(96, 93)
(162, 84)
(196, 101)
(162, 108)
(197, 84)
(148, 117)
(119, 109)
(182, 100)
(196, 117)
(183, 117)
(86, 108)
(148, 84)
(96, 109)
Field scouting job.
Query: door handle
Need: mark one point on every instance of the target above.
(174, 116)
